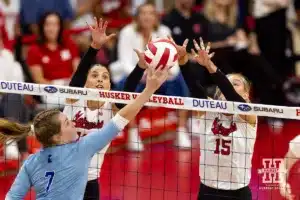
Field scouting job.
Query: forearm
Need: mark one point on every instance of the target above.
(131, 110)
(132, 81)
(80, 75)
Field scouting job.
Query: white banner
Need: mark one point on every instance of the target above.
(156, 100)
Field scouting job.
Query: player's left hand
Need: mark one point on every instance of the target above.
(98, 31)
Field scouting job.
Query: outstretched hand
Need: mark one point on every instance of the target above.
(155, 78)
(181, 51)
(98, 31)
(202, 56)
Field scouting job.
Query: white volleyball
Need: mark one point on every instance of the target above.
(161, 52)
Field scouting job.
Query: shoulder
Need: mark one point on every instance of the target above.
(30, 161)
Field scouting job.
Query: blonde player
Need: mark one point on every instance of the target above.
(93, 115)
(292, 156)
(226, 140)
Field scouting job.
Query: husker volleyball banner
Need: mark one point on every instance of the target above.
(184, 103)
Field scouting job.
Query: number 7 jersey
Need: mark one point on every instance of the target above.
(226, 149)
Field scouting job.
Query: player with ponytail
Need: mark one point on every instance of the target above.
(60, 169)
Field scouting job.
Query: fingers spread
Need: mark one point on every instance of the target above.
(194, 53)
(185, 43)
(111, 36)
(100, 23)
(104, 26)
(207, 48)
(138, 53)
(196, 45)
(202, 44)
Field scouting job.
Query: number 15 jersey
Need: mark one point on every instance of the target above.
(226, 147)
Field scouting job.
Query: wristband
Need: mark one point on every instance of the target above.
(120, 121)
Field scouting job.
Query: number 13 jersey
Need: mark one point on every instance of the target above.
(226, 149)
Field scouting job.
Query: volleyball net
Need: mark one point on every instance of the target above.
(162, 170)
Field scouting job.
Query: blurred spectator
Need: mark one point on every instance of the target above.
(84, 16)
(185, 23)
(13, 106)
(135, 36)
(10, 9)
(235, 52)
(54, 59)
(3, 33)
(32, 11)
(271, 29)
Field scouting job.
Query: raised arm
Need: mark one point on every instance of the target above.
(204, 59)
(99, 38)
(135, 76)
(95, 141)
(21, 185)
(195, 87)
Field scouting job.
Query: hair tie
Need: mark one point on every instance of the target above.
(32, 128)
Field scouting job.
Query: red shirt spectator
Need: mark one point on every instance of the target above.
(54, 59)
(55, 64)
(3, 32)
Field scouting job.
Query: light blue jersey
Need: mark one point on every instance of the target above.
(60, 172)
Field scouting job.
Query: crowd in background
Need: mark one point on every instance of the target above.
(43, 41)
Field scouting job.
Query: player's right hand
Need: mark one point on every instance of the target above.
(98, 31)
(203, 55)
(156, 77)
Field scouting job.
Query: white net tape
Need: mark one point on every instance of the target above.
(156, 100)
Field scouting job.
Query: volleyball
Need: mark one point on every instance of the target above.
(161, 52)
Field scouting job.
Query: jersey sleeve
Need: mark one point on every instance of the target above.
(98, 139)
(295, 146)
(21, 185)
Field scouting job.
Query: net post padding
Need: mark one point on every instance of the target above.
(173, 102)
